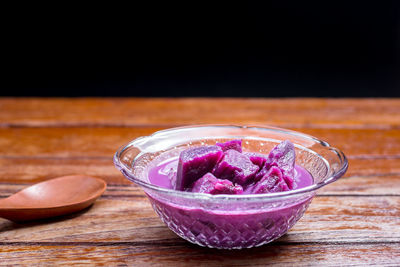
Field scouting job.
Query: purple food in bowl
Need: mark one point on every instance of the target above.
(229, 221)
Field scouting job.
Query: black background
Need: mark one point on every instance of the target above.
(281, 48)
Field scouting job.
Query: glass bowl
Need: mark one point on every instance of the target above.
(229, 221)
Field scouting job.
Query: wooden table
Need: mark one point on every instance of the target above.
(354, 221)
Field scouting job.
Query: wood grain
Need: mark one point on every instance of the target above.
(104, 141)
(130, 218)
(31, 169)
(355, 185)
(354, 221)
(35, 169)
(382, 185)
(182, 254)
(290, 113)
(364, 185)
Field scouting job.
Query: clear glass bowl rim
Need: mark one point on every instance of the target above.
(251, 197)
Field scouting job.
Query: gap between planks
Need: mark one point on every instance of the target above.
(360, 156)
(181, 242)
(169, 125)
(117, 196)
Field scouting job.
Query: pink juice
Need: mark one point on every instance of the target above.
(229, 225)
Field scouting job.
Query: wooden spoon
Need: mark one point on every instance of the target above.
(51, 198)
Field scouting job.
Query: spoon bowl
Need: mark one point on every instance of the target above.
(55, 197)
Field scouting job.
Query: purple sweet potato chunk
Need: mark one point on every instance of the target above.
(257, 158)
(283, 156)
(194, 163)
(260, 174)
(235, 167)
(212, 185)
(272, 182)
(233, 144)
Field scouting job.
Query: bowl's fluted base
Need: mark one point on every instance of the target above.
(229, 231)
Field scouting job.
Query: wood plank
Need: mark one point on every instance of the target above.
(126, 192)
(364, 185)
(381, 185)
(178, 254)
(348, 218)
(27, 170)
(354, 185)
(292, 112)
(365, 166)
(117, 217)
(33, 169)
(104, 141)
(371, 142)
(67, 142)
